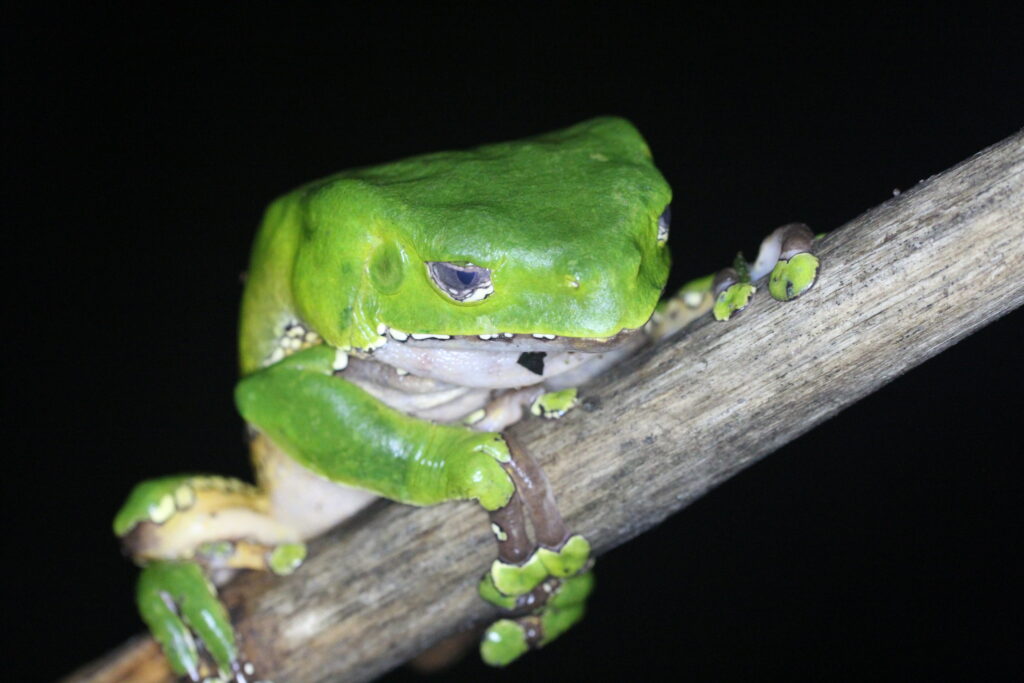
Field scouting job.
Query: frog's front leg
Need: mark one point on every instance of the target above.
(543, 584)
(336, 429)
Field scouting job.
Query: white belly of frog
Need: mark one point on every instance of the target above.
(446, 405)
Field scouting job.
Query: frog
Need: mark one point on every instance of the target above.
(396, 320)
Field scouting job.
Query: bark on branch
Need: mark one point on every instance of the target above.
(898, 284)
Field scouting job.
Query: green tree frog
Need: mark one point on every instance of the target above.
(395, 321)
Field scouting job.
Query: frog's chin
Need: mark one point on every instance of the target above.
(507, 342)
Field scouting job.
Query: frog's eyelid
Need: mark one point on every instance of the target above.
(464, 283)
(664, 222)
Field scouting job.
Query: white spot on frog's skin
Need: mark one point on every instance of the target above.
(398, 335)
(184, 497)
(376, 343)
(293, 337)
(160, 512)
(400, 372)
(488, 337)
(249, 669)
(340, 360)
(382, 329)
(693, 299)
(498, 532)
(421, 337)
(543, 336)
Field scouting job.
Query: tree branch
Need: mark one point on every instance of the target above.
(898, 284)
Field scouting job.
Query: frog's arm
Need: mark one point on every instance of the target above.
(337, 430)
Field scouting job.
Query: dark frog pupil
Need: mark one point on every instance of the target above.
(466, 277)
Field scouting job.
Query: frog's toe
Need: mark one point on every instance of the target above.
(286, 558)
(567, 560)
(732, 299)
(176, 601)
(506, 640)
(489, 592)
(572, 591)
(792, 277)
(510, 579)
(518, 579)
(554, 404)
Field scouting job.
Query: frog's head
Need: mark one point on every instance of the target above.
(562, 234)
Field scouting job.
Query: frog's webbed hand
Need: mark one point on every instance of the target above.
(177, 527)
(543, 584)
(785, 254)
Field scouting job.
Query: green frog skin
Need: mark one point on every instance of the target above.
(395, 321)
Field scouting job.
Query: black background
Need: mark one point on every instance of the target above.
(141, 149)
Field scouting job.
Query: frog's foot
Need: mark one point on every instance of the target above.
(554, 404)
(732, 291)
(792, 277)
(516, 579)
(786, 254)
(179, 526)
(178, 603)
(540, 609)
(562, 604)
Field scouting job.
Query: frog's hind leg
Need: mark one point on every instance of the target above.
(543, 584)
(220, 522)
(184, 528)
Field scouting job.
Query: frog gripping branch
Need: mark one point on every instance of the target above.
(396, 320)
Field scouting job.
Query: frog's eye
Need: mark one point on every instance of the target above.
(664, 221)
(462, 282)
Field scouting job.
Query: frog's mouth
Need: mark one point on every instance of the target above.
(510, 342)
(498, 361)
